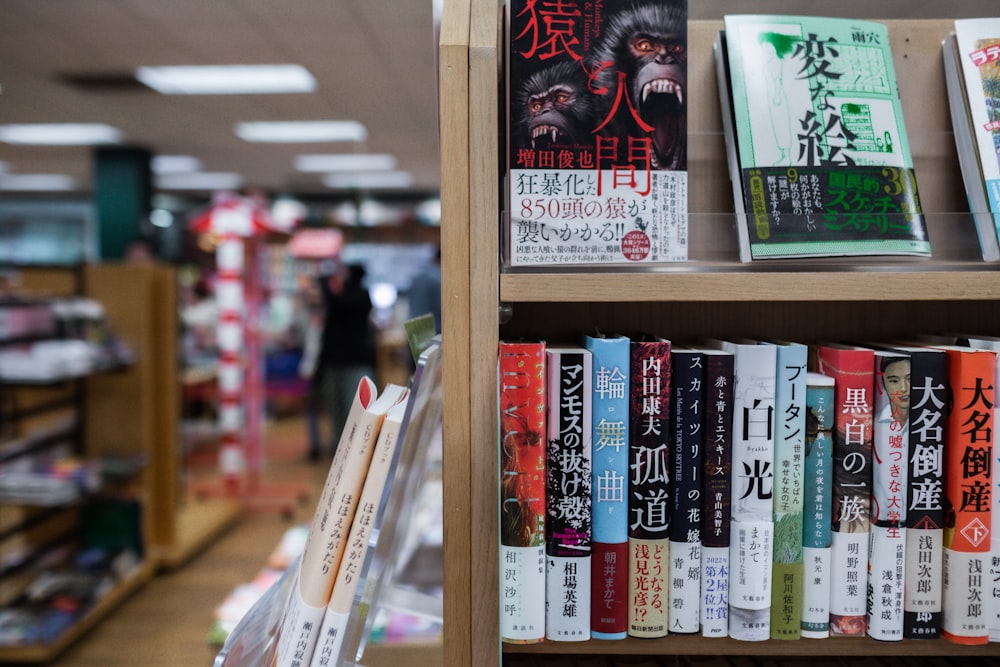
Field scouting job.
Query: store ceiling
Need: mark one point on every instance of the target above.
(374, 62)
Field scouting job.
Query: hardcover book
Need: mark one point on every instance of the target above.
(567, 494)
(716, 504)
(751, 551)
(789, 446)
(925, 511)
(609, 486)
(596, 133)
(687, 435)
(968, 479)
(890, 453)
(852, 368)
(972, 74)
(818, 153)
(817, 495)
(648, 488)
(522, 491)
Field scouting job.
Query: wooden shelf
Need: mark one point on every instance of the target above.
(711, 295)
(49, 652)
(199, 523)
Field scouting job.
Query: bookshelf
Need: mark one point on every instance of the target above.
(711, 295)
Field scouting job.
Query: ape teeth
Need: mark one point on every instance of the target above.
(662, 86)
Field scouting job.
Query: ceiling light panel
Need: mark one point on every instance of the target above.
(60, 134)
(301, 131)
(370, 180)
(227, 79)
(206, 181)
(37, 183)
(345, 162)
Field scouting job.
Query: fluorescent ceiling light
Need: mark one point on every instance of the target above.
(174, 164)
(200, 181)
(227, 79)
(37, 182)
(60, 134)
(345, 162)
(369, 179)
(301, 131)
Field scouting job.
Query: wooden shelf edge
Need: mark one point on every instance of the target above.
(47, 653)
(697, 645)
(198, 524)
(735, 285)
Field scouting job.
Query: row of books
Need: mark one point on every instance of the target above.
(750, 489)
(818, 152)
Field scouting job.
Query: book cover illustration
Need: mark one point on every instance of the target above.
(567, 493)
(817, 498)
(597, 132)
(820, 161)
(853, 370)
(890, 452)
(978, 52)
(648, 488)
(522, 491)
(687, 437)
(716, 491)
(609, 486)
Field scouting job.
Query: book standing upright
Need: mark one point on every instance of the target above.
(716, 504)
(567, 494)
(852, 368)
(817, 495)
(814, 126)
(522, 490)
(596, 133)
(648, 487)
(687, 434)
(609, 443)
(890, 453)
(789, 446)
(752, 526)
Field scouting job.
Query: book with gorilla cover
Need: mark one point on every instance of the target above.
(818, 153)
(596, 133)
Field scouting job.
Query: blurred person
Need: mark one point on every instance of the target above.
(424, 295)
(346, 352)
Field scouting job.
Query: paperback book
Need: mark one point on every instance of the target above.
(817, 498)
(596, 133)
(972, 74)
(818, 153)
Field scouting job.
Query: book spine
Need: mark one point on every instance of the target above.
(716, 492)
(925, 514)
(789, 443)
(886, 557)
(968, 478)
(752, 537)
(687, 408)
(853, 370)
(648, 488)
(522, 491)
(817, 513)
(609, 442)
(567, 495)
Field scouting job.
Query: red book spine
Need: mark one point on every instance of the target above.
(522, 491)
